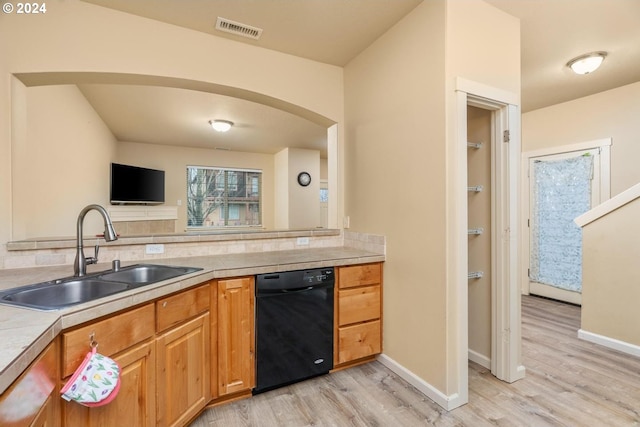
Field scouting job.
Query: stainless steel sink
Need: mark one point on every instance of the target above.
(70, 291)
(144, 274)
(55, 295)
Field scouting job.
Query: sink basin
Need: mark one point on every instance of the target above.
(70, 291)
(145, 274)
(55, 295)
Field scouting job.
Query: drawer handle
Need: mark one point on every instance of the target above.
(92, 340)
(164, 304)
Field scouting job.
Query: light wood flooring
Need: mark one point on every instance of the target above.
(569, 382)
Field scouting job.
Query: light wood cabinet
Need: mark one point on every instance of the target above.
(32, 400)
(135, 403)
(181, 352)
(213, 334)
(236, 367)
(358, 314)
(183, 356)
(163, 349)
(126, 337)
(113, 335)
(47, 417)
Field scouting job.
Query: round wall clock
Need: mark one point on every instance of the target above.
(304, 178)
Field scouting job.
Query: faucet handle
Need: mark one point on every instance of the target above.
(93, 259)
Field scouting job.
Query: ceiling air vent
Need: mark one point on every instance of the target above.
(238, 29)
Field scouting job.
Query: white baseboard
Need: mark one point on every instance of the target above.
(612, 343)
(447, 402)
(480, 359)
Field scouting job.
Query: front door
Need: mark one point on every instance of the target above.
(562, 187)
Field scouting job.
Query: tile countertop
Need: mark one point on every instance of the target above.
(24, 333)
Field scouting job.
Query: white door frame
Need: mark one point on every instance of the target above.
(506, 338)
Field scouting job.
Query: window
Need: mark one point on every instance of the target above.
(324, 195)
(255, 186)
(233, 213)
(222, 197)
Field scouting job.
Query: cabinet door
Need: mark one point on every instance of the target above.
(213, 337)
(135, 403)
(236, 369)
(32, 400)
(183, 371)
(48, 416)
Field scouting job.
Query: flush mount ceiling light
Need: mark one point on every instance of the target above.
(585, 64)
(221, 125)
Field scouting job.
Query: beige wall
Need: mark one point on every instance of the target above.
(483, 45)
(611, 278)
(281, 177)
(304, 202)
(479, 205)
(297, 207)
(611, 114)
(400, 113)
(48, 194)
(395, 167)
(78, 37)
(174, 161)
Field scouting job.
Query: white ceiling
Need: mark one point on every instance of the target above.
(335, 31)
(170, 116)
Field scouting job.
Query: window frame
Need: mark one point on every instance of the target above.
(250, 176)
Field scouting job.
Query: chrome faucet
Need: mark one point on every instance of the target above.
(80, 263)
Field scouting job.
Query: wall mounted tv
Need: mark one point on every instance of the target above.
(134, 185)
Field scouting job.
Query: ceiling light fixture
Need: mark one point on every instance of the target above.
(221, 125)
(588, 63)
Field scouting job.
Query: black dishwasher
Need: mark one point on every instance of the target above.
(294, 326)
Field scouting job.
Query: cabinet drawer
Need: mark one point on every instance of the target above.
(358, 341)
(181, 307)
(359, 275)
(358, 305)
(112, 335)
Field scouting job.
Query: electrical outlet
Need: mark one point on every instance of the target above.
(155, 249)
(302, 241)
(346, 222)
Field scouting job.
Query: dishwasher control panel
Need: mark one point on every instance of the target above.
(313, 277)
(296, 279)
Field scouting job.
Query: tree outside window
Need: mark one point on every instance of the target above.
(222, 197)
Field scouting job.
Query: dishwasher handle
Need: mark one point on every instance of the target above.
(289, 291)
(283, 291)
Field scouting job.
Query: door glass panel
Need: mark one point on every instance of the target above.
(561, 192)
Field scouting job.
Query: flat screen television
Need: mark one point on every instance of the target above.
(134, 185)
